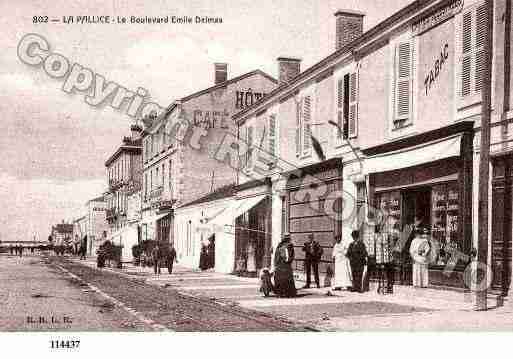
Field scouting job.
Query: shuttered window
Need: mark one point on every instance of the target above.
(249, 141)
(272, 135)
(298, 128)
(403, 83)
(307, 125)
(340, 107)
(473, 36)
(353, 105)
(347, 106)
(171, 189)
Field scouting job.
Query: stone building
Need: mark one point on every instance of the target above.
(396, 111)
(179, 148)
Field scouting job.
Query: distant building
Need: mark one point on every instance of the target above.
(96, 223)
(79, 231)
(124, 175)
(62, 234)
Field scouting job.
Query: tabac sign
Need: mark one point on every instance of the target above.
(437, 17)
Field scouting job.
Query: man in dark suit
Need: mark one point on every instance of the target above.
(357, 254)
(313, 253)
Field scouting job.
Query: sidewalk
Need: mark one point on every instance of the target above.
(407, 309)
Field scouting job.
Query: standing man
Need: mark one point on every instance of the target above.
(357, 254)
(171, 258)
(313, 253)
(155, 253)
(83, 248)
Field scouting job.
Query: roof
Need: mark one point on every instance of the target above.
(134, 146)
(220, 193)
(210, 89)
(365, 37)
(97, 199)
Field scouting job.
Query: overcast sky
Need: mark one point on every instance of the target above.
(54, 145)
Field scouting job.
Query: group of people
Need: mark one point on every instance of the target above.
(351, 261)
(18, 250)
(163, 256)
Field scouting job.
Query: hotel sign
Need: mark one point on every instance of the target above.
(437, 17)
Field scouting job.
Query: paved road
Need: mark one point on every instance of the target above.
(37, 297)
(81, 298)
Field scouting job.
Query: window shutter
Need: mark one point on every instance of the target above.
(353, 105)
(340, 107)
(298, 128)
(403, 81)
(480, 38)
(466, 63)
(307, 126)
(272, 135)
(250, 145)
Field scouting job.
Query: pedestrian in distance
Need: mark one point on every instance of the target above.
(155, 254)
(313, 253)
(284, 285)
(342, 279)
(357, 254)
(171, 259)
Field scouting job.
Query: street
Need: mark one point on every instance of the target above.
(49, 293)
(52, 293)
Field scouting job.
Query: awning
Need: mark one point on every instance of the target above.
(154, 218)
(424, 153)
(236, 209)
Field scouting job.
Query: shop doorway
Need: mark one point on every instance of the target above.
(417, 203)
(502, 197)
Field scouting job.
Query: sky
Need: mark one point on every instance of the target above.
(54, 145)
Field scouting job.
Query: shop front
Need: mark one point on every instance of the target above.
(253, 228)
(312, 194)
(501, 221)
(426, 180)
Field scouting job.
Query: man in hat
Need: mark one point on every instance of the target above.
(357, 254)
(313, 253)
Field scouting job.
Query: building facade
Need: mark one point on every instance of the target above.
(396, 112)
(62, 234)
(124, 176)
(179, 148)
(97, 226)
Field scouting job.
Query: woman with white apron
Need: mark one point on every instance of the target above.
(342, 278)
(420, 251)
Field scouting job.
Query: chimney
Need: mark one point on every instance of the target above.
(349, 27)
(288, 68)
(221, 72)
(135, 131)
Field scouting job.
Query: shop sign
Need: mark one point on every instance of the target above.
(432, 76)
(437, 17)
(210, 119)
(247, 98)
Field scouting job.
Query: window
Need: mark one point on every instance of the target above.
(307, 125)
(152, 139)
(170, 169)
(347, 106)
(163, 173)
(472, 61)
(249, 142)
(272, 136)
(304, 126)
(151, 180)
(403, 84)
(145, 186)
(157, 177)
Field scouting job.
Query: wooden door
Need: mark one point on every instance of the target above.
(501, 224)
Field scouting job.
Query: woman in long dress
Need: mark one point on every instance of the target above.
(284, 285)
(342, 277)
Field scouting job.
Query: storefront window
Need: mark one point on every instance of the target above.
(445, 218)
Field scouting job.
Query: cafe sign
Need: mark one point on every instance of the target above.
(437, 17)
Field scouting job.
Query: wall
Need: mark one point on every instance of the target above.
(188, 237)
(198, 166)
